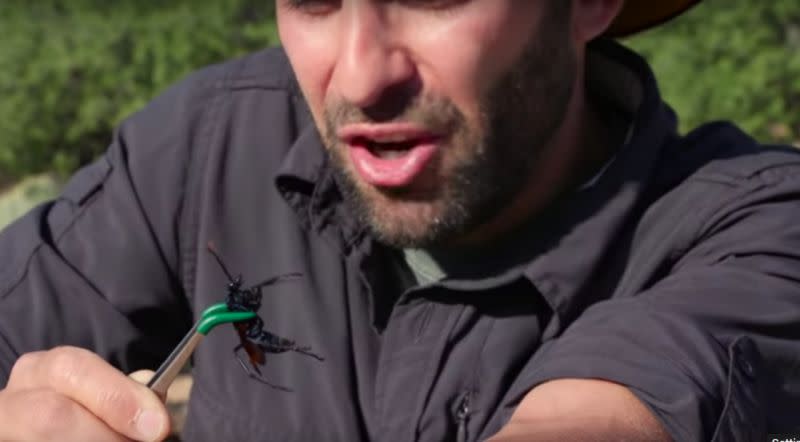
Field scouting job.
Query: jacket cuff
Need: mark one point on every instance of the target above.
(743, 413)
(693, 399)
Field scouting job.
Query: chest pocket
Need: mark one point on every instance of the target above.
(475, 345)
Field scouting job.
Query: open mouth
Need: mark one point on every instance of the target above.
(390, 149)
(391, 154)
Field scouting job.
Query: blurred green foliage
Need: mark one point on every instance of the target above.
(72, 69)
(25, 194)
(732, 59)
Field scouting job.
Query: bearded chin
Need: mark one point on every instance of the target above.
(497, 159)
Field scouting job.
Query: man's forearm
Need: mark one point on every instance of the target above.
(582, 410)
(576, 429)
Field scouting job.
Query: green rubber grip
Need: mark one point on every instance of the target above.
(215, 319)
(215, 309)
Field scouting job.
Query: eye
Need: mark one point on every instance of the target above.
(312, 7)
(435, 4)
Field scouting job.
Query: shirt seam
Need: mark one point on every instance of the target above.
(740, 187)
(722, 424)
(790, 172)
(190, 203)
(14, 282)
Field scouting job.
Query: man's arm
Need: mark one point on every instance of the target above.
(102, 266)
(582, 409)
(710, 349)
(96, 267)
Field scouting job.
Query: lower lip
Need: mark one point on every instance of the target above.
(395, 172)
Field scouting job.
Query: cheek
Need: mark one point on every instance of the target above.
(463, 59)
(311, 50)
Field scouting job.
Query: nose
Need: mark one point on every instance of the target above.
(371, 60)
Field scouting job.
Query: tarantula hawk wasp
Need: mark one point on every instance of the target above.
(254, 339)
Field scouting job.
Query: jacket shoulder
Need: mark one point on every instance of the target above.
(265, 69)
(194, 107)
(722, 153)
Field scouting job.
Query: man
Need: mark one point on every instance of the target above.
(500, 232)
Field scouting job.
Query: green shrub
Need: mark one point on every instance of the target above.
(20, 198)
(71, 70)
(732, 59)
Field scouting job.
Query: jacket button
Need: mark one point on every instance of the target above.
(748, 368)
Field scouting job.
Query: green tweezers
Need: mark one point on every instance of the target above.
(213, 316)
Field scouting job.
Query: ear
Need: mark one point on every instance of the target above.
(591, 18)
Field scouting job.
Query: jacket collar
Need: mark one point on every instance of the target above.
(584, 228)
(306, 182)
(576, 232)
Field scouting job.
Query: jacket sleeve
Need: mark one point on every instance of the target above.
(100, 267)
(713, 348)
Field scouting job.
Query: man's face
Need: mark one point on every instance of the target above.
(434, 112)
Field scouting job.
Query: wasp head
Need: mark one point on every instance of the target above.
(235, 284)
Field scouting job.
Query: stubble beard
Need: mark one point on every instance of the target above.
(495, 157)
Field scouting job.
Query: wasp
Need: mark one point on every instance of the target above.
(254, 340)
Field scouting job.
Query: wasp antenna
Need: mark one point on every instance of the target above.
(219, 260)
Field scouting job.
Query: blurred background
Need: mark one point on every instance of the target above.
(71, 70)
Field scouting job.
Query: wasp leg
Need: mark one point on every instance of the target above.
(272, 343)
(258, 377)
(242, 363)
